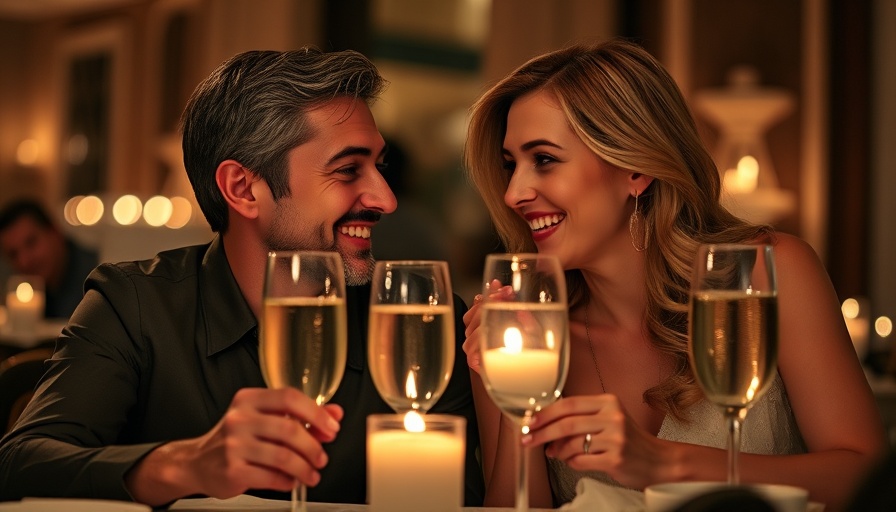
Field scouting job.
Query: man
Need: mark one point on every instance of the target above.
(34, 245)
(155, 391)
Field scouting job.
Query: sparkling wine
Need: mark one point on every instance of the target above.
(525, 366)
(411, 352)
(304, 344)
(735, 344)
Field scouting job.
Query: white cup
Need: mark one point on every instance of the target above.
(668, 496)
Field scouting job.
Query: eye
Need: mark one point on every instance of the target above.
(509, 165)
(348, 170)
(542, 159)
(382, 167)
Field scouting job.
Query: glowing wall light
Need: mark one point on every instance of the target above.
(157, 211)
(181, 213)
(89, 210)
(127, 210)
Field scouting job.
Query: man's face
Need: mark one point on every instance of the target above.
(33, 249)
(336, 190)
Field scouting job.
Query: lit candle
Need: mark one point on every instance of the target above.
(527, 372)
(24, 308)
(415, 462)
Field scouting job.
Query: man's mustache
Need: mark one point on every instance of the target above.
(363, 215)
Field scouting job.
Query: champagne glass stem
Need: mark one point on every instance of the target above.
(734, 417)
(522, 473)
(299, 498)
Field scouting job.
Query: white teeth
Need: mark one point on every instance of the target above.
(543, 222)
(355, 231)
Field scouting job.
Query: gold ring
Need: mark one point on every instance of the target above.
(477, 299)
(586, 446)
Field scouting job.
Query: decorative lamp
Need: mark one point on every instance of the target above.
(743, 111)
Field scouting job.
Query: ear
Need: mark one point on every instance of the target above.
(240, 188)
(638, 183)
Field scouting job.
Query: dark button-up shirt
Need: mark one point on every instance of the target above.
(155, 352)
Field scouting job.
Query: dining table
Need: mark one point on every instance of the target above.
(252, 503)
(44, 333)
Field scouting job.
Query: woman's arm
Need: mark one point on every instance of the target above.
(832, 402)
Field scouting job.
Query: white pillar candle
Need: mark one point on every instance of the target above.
(527, 372)
(24, 308)
(415, 465)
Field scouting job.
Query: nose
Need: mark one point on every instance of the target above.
(378, 196)
(519, 190)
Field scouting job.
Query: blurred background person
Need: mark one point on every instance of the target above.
(32, 243)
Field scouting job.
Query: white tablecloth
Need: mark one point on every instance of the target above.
(250, 503)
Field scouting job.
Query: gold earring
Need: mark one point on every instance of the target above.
(638, 228)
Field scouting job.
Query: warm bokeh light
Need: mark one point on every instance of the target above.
(157, 211)
(850, 308)
(743, 178)
(883, 326)
(24, 292)
(28, 152)
(127, 210)
(181, 213)
(69, 211)
(89, 210)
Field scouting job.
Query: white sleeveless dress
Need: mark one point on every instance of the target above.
(769, 428)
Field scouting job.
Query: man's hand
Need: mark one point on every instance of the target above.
(267, 439)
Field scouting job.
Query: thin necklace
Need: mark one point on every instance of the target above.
(591, 347)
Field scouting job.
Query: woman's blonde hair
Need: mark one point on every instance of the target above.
(623, 104)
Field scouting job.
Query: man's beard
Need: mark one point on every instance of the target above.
(286, 234)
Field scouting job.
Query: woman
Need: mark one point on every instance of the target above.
(590, 154)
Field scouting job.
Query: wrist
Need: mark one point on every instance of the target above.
(162, 476)
(677, 461)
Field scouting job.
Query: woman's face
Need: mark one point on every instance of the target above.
(575, 203)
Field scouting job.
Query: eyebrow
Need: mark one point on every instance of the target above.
(534, 143)
(353, 151)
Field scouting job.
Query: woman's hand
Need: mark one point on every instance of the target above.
(594, 433)
(472, 320)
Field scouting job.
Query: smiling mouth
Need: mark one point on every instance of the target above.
(356, 231)
(542, 223)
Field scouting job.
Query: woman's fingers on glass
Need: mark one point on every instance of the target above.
(471, 349)
(497, 291)
(471, 320)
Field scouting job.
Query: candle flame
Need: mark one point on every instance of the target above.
(296, 268)
(513, 340)
(410, 386)
(413, 422)
(744, 178)
(24, 292)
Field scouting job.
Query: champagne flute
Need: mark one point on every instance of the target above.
(303, 328)
(410, 339)
(524, 343)
(733, 328)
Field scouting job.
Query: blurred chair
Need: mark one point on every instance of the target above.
(18, 377)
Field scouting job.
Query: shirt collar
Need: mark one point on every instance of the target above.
(226, 314)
